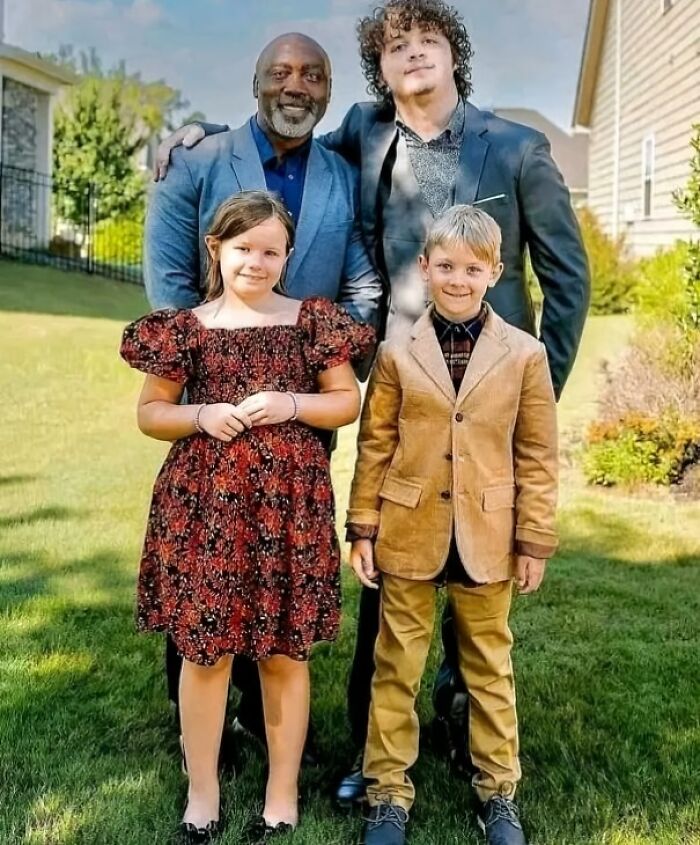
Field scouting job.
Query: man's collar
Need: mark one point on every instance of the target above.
(265, 148)
(445, 327)
(454, 129)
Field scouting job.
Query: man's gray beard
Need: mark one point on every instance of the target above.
(292, 129)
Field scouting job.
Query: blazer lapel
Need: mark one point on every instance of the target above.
(472, 156)
(245, 160)
(379, 140)
(489, 349)
(317, 191)
(426, 350)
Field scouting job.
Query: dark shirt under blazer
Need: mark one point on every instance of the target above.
(330, 258)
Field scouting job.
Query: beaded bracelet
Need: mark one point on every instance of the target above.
(296, 407)
(197, 425)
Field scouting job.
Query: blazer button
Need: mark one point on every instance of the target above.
(446, 494)
(459, 417)
(448, 456)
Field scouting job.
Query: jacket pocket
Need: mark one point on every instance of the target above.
(401, 492)
(496, 498)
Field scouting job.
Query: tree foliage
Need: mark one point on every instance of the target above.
(688, 202)
(101, 125)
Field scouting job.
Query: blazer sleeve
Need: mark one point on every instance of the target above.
(172, 266)
(377, 441)
(536, 456)
(558, 257)
(346, 138)
(361, 289)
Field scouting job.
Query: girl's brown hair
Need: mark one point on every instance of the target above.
(237, 215)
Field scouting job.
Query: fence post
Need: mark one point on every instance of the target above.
(90, 228)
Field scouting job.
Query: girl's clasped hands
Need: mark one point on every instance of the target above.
(224, 421)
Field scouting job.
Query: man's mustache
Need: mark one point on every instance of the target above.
(300, 102)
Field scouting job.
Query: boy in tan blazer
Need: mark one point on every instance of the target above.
(455, 485)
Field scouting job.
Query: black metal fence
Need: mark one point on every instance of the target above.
(42, 224)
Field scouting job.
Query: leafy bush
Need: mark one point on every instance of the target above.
(660, 296)
(118, 241)
(638, 449)
(613, 273)
(653, 377)
(650, 428)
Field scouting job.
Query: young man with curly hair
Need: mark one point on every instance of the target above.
(420, 147)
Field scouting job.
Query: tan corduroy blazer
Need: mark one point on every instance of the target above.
(482, 464)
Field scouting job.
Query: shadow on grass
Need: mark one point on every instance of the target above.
(9, 480)
(44, 514)
(606, 663)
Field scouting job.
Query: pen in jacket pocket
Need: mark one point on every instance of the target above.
(488, 199)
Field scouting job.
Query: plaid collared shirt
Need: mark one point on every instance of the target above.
(435, 162)
(457, 341)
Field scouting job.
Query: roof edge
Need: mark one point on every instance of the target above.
(35, 62)
(590, 61)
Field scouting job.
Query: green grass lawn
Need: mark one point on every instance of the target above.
(607, 655)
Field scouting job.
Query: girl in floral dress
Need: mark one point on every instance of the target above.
(240, 555)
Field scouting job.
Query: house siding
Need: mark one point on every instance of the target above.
(659, 96)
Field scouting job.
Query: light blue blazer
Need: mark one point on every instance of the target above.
(329, 257)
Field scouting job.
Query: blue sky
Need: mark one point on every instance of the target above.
(527, 52)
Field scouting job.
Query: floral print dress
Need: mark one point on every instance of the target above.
(241, 554)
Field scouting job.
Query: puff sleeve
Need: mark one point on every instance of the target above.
(159, 344)
(332, 336)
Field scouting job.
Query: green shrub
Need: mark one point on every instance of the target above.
(641, 450)
(118, 241)
(613, 274)
(656, 376)
(660, 296)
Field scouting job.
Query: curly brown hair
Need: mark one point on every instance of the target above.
(432, 15)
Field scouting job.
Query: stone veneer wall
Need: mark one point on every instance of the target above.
(21, 197)
(20, 107)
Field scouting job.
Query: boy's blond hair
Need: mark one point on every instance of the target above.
(465, 225)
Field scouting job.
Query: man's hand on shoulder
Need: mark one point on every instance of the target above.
(188, 136)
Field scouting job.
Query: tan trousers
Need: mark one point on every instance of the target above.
(484, 641)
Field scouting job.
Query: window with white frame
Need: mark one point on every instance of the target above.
(647, 174)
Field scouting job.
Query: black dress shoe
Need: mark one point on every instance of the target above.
(352, 789)
(192, 834)
(259, 831)
(385, 825)
(499, 820)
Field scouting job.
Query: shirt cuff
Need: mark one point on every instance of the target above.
(355, 531)
(536, 550)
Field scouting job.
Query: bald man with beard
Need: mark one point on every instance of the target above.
(273, 150)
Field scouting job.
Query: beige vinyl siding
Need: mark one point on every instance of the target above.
(602, 131)
(660, 97)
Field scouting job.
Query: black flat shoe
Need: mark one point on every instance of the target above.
(260, 832)
(192, 834)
